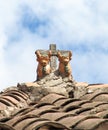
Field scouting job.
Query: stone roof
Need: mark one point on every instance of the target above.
(54, 103)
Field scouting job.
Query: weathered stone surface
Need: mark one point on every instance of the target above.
(97, 88)
(51, 83)
(34, 90)
(80, 89)
(53, 62)
(58, 89)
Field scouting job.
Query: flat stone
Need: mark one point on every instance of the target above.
(97, 88)
(58, 90)
(80, 89)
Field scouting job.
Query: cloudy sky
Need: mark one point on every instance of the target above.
(77, 25)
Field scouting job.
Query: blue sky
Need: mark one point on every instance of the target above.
(80, 26)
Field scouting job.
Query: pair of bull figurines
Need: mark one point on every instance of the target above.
(44, 67)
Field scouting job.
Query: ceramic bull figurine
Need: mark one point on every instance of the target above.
(43, 68)
(64, 65)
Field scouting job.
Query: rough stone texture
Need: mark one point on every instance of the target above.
(97, 88)
(80, 89)
(51, 83)
(53, 62)
(34, 90)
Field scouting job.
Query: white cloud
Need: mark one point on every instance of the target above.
(80, 25)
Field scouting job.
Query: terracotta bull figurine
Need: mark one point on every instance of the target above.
(64, 65)
(43, 68)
